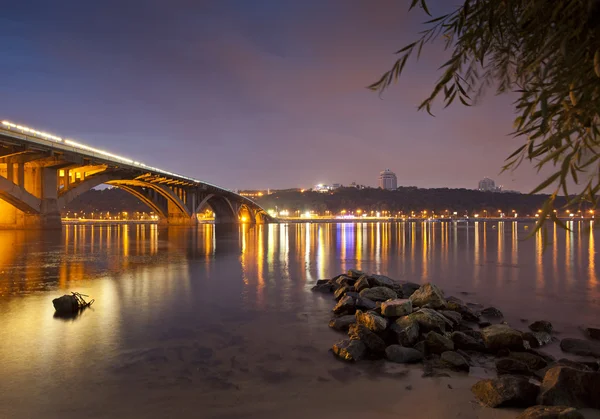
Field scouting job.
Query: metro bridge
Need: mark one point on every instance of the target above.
(41, 173)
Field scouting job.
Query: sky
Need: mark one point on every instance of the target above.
(248, 94)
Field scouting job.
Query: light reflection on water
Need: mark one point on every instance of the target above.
(250, 285)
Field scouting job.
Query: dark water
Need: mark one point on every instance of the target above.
(220, 322)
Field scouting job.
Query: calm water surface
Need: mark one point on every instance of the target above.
(220, 322)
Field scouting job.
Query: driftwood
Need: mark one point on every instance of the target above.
(70, 304)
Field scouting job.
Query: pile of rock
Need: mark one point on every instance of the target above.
(405, 322)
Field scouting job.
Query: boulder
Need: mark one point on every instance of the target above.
(453, 316)
(550, 412)
(429, 319)
(537, 339)
(323, 281)
(512, 366)
(345, 306)
(396, 308)
(467, 314)
(484, 324)
(533, 362)
(341, 291)
(408, 288)
(371, 320)
(437, 344)
(407, 331)
(541, 326)
(378, 294)
(466, 342)
(324, 288)
(455, 361)
(361, 284)
(500, 336)
(354, 273)
(344, 280)
(402, 355)
(374, 343)
(506, 391)
(67, 304)
(564, 386)
(428, 294)
(492, 312)
(593, 332)
(381, 281)
(343, 322)
(365, 304)
(349, 350)
(581, 347)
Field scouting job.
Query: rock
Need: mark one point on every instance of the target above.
(506, 391)
(428, 294)
(341, 291)
(437, 344)
(564, 362)
(381, 281)
(344, 280)
(466, 342)
(361, 284)
(484, 324)
(421, 347)
(402, 355)
(342, 323)
(67, 304)
(453, 316)
(378, 294)
(354, 273)
(455, 361)
(500, 336)
(564, 386)
(492, 312)
(512, 366)
(541, 326)
(371, 320)
(322, 281)
(365, 304)
(429, 319)
(345, 306)
(581, 347)
(396, 308)
(374, 343)
(325, 288)
(408, 288)
(407, 331)
(533, 362)
(550, 412)
(475, 334)
(349, 350)
(593, 332)
(537, 339)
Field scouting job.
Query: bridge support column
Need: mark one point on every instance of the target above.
(178, 218)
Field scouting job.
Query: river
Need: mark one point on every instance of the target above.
(220, 322)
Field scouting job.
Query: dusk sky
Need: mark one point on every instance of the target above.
(247, 94)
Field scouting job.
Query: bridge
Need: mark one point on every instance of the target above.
(41, 173)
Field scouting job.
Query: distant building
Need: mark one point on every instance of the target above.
(388, 180)
(254, 193)
(488, 185)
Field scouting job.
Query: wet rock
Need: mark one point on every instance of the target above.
(550, 412)
(324, 288)
(378, 294)
(381, 281)
(429, 319)
(484, 324)
(365, 304)
(345, 306)
(374, 343)
(564, 386)
(402, 355)
(537, 339)
(453, 316)
(466, 342)
(533, 362)
(396, 308)
(344, 280)
(371, 320)
(593, 332)
(350, 350)
(341, 291)
(455, 361)
(322, 281)
(581, 347)
(564, 362)
(407, 331)
(421, 347)
(67, 304)
(492, 312)
(500, 336)
(361, 284)
(512, 366)
(428, 294)
(475, 334)
(408, 288)
(343, 322)
(354, 273)
(506, 391)
(438, 344)
(541, 326)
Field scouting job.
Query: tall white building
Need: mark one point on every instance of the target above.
(487, 185)
(388, 180)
